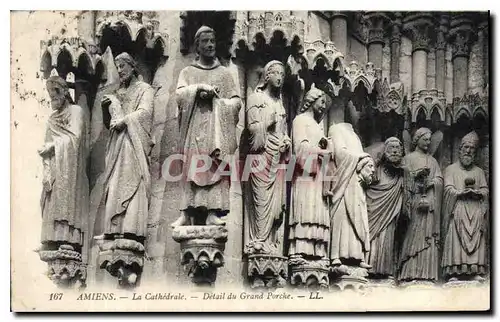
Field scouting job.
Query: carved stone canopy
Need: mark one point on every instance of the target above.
(74, 51)
(251, 25)
(138, 24)
(354, 74)
(429, 104)
(391, 98)
(470, 106)
(327, 51)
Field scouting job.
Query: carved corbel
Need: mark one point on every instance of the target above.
(65, 266)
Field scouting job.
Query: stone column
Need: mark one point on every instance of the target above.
(339, 31)
(376, 23)
(460, 40)
(441, 53)
(395, 47)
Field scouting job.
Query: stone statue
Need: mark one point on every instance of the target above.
(423, 188)
(268, 139)
(126, 179)
(349, 230)
(385, 201)
(465, 215)
(309, 219)
(65, 194)
(208, 103)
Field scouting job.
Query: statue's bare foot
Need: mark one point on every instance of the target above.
(364, 265)
(212, 219)
(183, 220)
(336, 262)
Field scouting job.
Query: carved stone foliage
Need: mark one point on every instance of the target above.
(202, 251)
(267, 271)
(123, 259)
(65, 267)
(428, 105)
(420, 28)
(470, 106)
(358, 26)
(461, 34)
(377, 23)
(391, 98)
(311, 274)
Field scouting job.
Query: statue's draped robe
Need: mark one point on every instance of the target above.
(207, 125)
(309, 220)
(267, 187)
(420, 250)
(65, 194)
(465, 223)
(127, 180)
(385, 201)
(348, 210)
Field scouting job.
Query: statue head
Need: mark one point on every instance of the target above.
(204, 42)
(126, 67)
(366, 168)
(274, 73)
(315, 100)
(422, 139)
(468, 147)
(58, 92)
(393, 151)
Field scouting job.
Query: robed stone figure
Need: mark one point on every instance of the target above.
(419, 259)
(268, 146)
(354, 169)
(465, 215)
(65, 194)
(209, 103)
(385, 202)
(309, 219)
(126, 181)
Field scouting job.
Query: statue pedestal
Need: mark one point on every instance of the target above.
(463, 283)
(388, 282)
(310, 274)
(418, 284)
(202, 251)
(345, 276)
(123, 259)
(65, 266)
(267, 271)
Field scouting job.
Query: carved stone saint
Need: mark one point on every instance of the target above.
(423, 192)
(65, 194)
(209, 103)
(126, 179)
(385, 201)
(269, 145)
(309, 218)
(349, 229)
(465, 216)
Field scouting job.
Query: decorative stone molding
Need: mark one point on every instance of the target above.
(354, 74)
(344, 276)
(267, 271)
(470, 106)
(325, 50)
(123, 259)
(441, 40)
(309, 273)
(358, 26)
(391, 98)
(266, 23)
(138, 24)
(202, 251)
(77, 49)
(65, 267)
(377, 23)
(429, 102)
